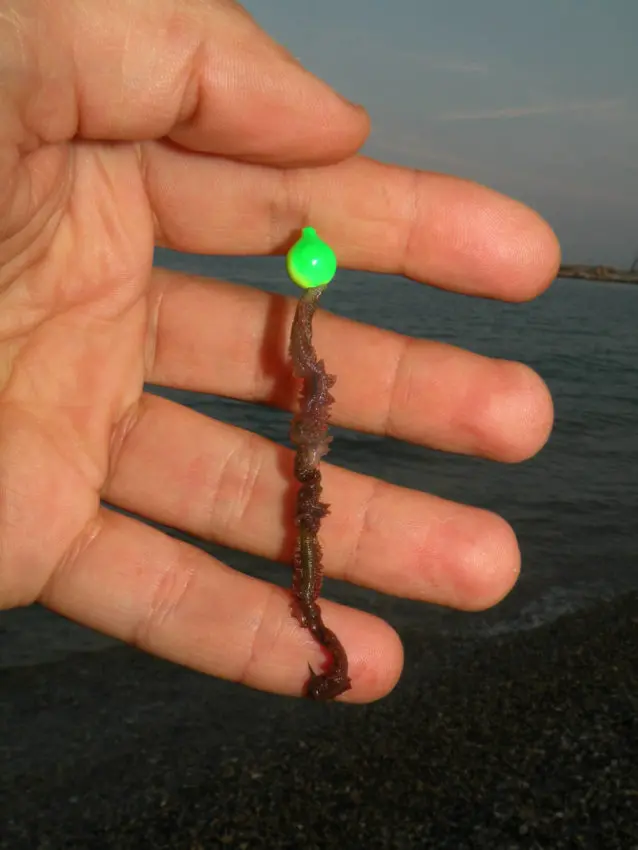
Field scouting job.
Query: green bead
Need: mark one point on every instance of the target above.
(310, 261)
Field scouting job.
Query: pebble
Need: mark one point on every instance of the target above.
(527, 740)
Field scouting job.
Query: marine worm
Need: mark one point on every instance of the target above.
(309, 432)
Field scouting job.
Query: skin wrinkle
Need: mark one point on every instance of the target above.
(244, 459)
(124, 53)
(12, 17)
(192, 96)
(105, 265)
(65, 442)
(354, 557)
(37, 228)
(405, 347)
(142, 150)
(171, 590)
(290, 205)
(253, 660)
(120, 434)
(279, 206)
(414, 217)
(76, 100)
(9, 167)
(74, 435)
(71, 555)
(9, 522)
(263, 384)
(214, 501)
(155, 304)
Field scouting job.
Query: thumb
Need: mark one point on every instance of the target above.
(200, 73)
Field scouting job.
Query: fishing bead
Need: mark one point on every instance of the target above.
(310, 261)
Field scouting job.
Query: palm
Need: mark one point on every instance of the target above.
(78, 367)
(85, 320)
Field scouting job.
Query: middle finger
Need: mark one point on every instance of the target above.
(231, 340)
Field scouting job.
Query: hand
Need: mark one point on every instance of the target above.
(179, 123)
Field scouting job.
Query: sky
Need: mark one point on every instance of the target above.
(536, 99)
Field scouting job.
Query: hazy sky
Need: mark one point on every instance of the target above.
(538, 99)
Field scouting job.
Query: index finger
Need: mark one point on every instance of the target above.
(446, 231)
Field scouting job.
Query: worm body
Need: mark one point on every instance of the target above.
(309, 432)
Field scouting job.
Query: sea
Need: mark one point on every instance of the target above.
(574, 506)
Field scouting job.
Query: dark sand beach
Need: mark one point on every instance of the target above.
(527, 740)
